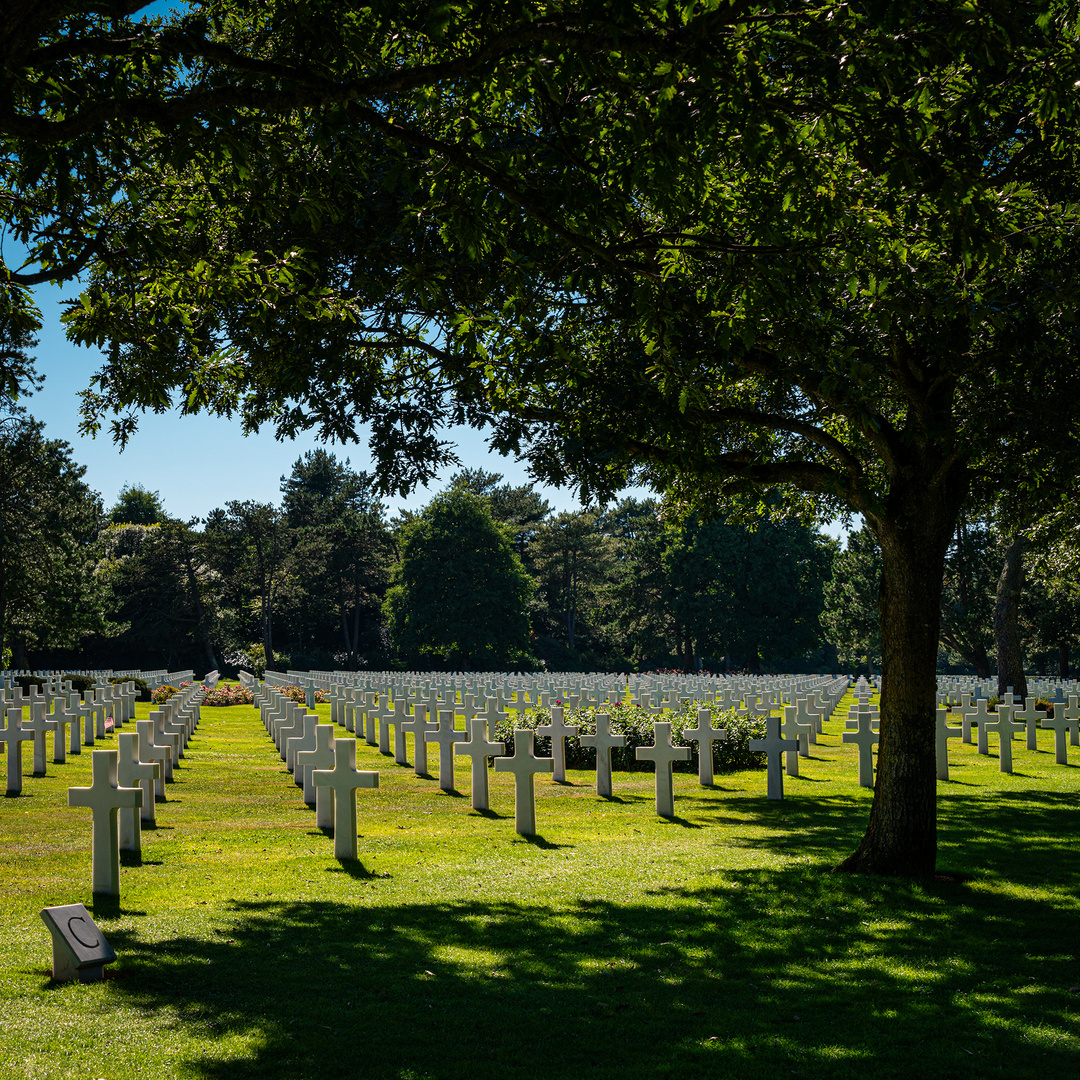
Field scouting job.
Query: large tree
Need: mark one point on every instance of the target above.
(341, 554)
(50, 596)
(459, 593)
(829, 250)
(161, 591)
(754, 595)
(247, 544)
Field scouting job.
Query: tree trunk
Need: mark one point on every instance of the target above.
(19, 658)
(268, 634)
(1063, 660)
(754, 662)
(978, 659)
(914, 533)
(1010, 661)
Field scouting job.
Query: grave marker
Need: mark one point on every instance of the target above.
(80, 950)
(39, 726)
(104, 798)
(1004, 727)
(558, 732)
(774, 745)
(418, 727)
(307, 762)
(663, 754)
(603, 741)
(12, 736)
(524, 764)
(1030, 717)
(1060, 725)
(344, 780)
(132, 772)
(446, 736)
(943, 733)
(149, 750)
(479, 748)
(705, 735)
(62, 719)
(865, 738)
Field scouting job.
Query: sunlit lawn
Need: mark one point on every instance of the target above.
(614, 944)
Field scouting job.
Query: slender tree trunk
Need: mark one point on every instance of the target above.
(268, 632)
(19, 658)
(1063, 660)
(755, 659)
(1010, 661)
(901, 835)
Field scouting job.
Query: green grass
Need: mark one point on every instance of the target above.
(614, 944)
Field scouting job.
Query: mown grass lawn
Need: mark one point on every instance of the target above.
(614, 944)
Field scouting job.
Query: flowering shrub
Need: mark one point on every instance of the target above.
(229, 694)
(636, 724)
(163, 693)
(295, 693)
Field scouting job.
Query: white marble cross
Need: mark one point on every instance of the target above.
(371, 716)
(1003, 727)
(774, 744)
(705, 735)
(320, 756)
(446, 735)
(1072, 712)
(524, 764)
(62, 719)
(603, 741)
(39, 725)
(979, 717)
(492, 713)
(1030, 717)
(298, 744)
(166, 738)
(805, 714)
(105, 797)
(12, 736)
(418, 727)
(149, 750)
(865, 738)
(74, 716)
(943, 733)
(130, 773)
(290, 727)
(793, 728)
(663, 754)
(344, 780)
(967, 712)
(479, 748)
(399, 720)
(385, 715)
(1060, 724)
(558, 730)
(86, 716)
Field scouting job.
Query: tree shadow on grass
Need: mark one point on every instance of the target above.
(764, 973)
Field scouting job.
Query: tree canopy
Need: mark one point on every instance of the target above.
(459, 593)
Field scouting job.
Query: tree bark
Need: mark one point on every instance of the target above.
(914, 534)
(1010, 661)
(1063, 660)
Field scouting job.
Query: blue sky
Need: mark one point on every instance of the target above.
(199, 462)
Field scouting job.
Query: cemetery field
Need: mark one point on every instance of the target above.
(613, 944)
